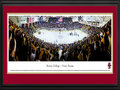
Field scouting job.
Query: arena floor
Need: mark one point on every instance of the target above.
(60, 37)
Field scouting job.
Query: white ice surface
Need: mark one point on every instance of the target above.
(60, 37)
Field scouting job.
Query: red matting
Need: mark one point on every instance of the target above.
(59, 78)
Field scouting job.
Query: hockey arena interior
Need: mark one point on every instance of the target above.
(59, 38)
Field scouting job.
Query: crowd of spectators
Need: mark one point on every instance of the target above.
(23, 46)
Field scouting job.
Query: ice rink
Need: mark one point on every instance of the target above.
(60, 37)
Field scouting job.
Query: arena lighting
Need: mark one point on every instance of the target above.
(61, 35)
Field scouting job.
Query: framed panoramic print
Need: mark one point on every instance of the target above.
(56, 43)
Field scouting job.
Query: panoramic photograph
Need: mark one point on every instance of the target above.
(59, 37)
